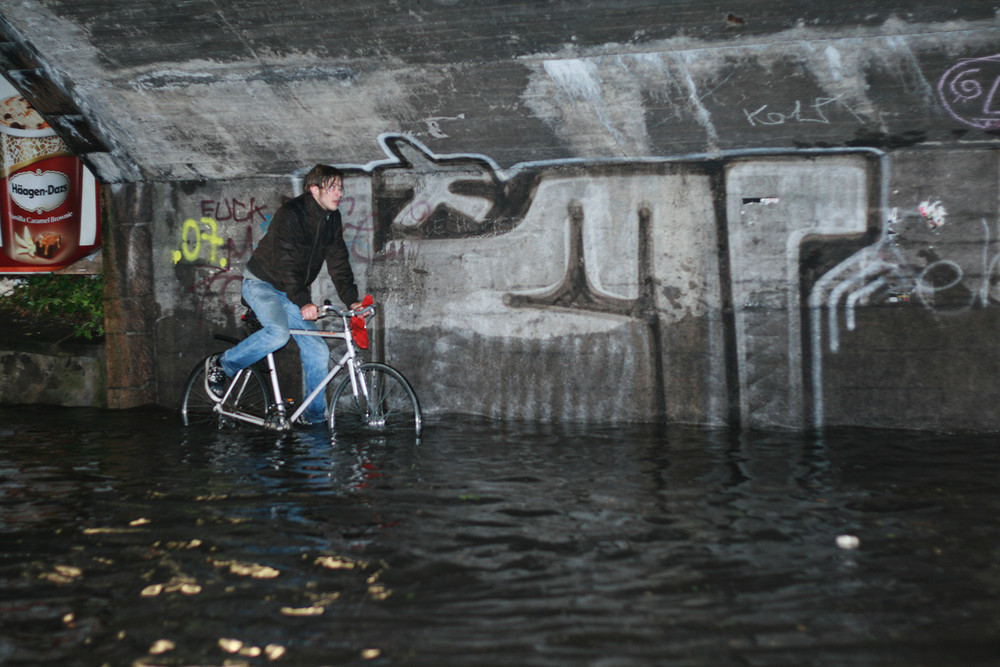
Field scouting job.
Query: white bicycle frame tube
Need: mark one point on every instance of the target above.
(344, 360)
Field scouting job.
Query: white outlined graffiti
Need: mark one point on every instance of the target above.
(507, 199)
(906, 265)
(435, 182)
(948, 269)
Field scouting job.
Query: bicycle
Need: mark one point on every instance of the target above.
(373, 397)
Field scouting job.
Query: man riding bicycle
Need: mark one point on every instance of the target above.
(304, 232)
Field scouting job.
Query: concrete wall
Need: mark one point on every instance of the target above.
(793, 225)
(54, 374)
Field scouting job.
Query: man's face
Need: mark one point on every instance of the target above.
(328, 197)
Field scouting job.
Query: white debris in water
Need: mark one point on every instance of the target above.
(848, 541)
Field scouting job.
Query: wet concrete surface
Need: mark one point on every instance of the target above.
(128, 539)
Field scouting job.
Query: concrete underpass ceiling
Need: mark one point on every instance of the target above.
(209, 89)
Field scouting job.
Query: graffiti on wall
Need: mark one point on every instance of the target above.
(201, 240)
(970, 92)
(416, 200)
(420, 195)
(218, 241)
(816, 111)
(922, 259)
(900, 267)
(916, 260)
(235, 210)
(194, 233)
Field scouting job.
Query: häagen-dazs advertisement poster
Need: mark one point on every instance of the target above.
(48, 198)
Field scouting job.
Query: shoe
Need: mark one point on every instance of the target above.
(302, 422)
(215, 378)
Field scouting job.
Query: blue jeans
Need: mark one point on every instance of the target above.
(278, 314)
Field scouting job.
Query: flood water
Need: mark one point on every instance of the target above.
(128, 539)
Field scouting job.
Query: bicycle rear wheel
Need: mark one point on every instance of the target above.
(250, 395)
(391, 405)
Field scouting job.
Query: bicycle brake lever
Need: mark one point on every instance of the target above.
(364, 312)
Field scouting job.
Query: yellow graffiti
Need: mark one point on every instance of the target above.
(192, 235)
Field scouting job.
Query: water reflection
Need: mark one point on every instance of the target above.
(129, 540)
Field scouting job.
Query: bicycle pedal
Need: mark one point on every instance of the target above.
(277, 422)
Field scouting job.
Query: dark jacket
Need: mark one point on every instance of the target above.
(300, 237)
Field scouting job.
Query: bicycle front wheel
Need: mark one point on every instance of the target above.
(384, 402)
(250, 395)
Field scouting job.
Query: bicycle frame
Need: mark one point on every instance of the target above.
(280, 418)
(374, 398)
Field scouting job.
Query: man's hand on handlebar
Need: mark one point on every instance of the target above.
(311, 311)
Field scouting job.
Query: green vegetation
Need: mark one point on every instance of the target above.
(76, 301)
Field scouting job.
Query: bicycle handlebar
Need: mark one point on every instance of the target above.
(328, 307)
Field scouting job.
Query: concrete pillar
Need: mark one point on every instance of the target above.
(129, 302)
